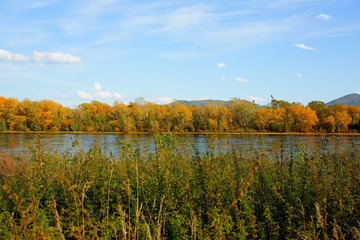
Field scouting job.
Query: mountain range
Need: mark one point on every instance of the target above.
(201, 103)
(350, 99)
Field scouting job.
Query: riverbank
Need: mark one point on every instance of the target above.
(185, 133)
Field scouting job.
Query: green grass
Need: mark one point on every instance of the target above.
(181, 194)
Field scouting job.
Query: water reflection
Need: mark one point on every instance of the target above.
(19, 142)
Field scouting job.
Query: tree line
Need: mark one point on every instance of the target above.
(141, 116)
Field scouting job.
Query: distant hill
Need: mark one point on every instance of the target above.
(201, 103)
(350, 99)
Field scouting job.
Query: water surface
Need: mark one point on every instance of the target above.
(11, 143)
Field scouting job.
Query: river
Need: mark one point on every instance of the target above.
(14, 143)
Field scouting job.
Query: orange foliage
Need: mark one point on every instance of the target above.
(342, 120)
(47, 115)
(304, 118)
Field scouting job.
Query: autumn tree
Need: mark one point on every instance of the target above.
(341, 116)
(279, 116)
(10, 119)
(95, 116)
(354, 112)
(263, 117)
(122, 120)
(286, 116)
(214, 117)
(210, 115)
(329, 124)
(164, 115)
(322, 112)
(273, 119)
(304, 118)
(279, 103)
(54, 114)
(182, 118)
(243, 112)
(224, 119)
(27, 108)
(136, 114)
(342, 120)
(150, 111)
(3, 113)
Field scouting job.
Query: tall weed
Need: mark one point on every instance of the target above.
(172, 193)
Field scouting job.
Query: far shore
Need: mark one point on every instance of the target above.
(184, 133)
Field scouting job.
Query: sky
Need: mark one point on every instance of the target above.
(118, 50)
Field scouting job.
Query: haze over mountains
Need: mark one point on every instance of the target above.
(350, 99)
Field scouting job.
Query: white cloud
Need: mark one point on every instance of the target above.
(103, 94)
(299, 75)
(238, 79)
(179, 22)
(256, 99)
(165, 100)
(96, 87)
(223, 78)
(6, 56)
(39, 57)
(84, 95)
(221, 65)
(303, 46)
(98, 93)
(55, 57)
(203, 24)
(323, 16)
(185, 18)
(107, 94)
(117, 95)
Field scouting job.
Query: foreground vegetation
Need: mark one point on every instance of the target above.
(172, 193)
(141, 116)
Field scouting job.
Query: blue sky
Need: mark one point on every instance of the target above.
(118, 50)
